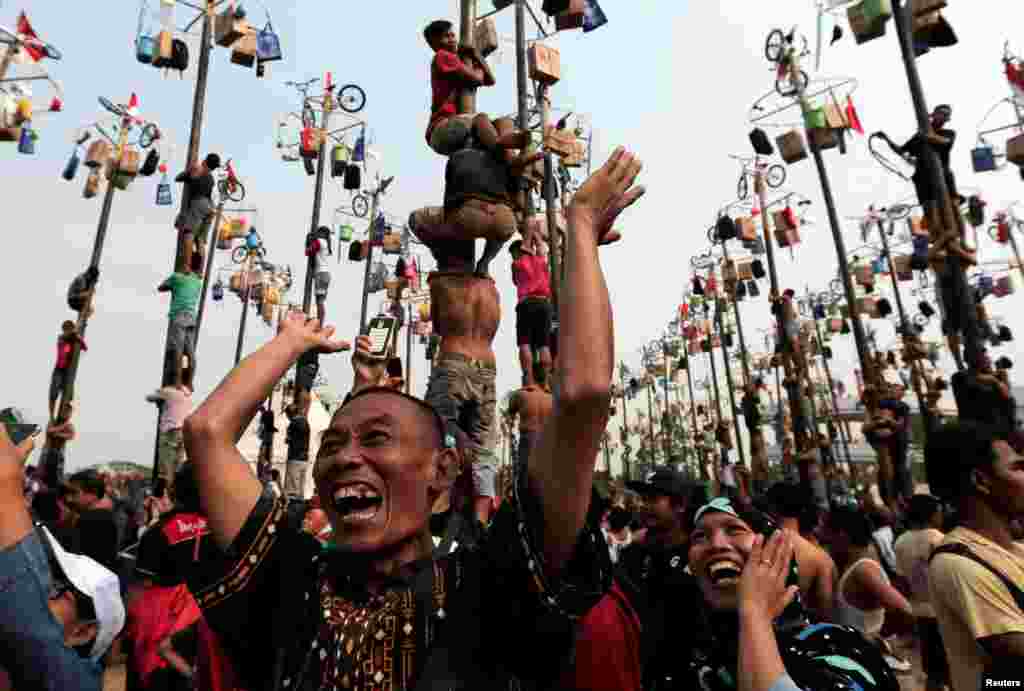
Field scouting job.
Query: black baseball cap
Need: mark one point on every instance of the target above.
(663, 481)
(212, 161)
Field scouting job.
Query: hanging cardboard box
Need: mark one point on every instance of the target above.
(791, 147)
(787, 237)
(834, 117)
(228, 29)
(824, 137)
(559, 142)
(1015, 150)
(919, 7)
(729, 271)
(164, 47)
(745, 271)
(868, 19)
(783, 221)
(97, 153)
(485, 36)
(392, 243)
(545, 63)
(746, 231)
(243, 52)
(10, 134)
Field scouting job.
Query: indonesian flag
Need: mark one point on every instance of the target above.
(133, 106)
(852, 117)
(30, 38)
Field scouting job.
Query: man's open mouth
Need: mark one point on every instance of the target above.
(724, 572)
(357, 501)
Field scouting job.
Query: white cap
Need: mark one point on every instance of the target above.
(101, 585)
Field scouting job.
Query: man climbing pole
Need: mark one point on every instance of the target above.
(196, 213)
(944, 221)
(478, 200)
(65, 344)
(185, 288)
(465, 311)
(532, 277)
(318, 246)
(532, 404)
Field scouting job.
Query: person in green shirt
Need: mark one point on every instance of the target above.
(185, 289)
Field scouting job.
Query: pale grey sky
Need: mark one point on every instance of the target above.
(671, 80)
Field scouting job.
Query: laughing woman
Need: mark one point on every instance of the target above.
(752, 633)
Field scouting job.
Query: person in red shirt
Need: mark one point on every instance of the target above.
(532, 277)
(65, 347)
(455, 68)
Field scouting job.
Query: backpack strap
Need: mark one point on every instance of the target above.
(962, 550)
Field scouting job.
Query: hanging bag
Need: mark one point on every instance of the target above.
(353, 178)
(268, 44)
(71, 168)
(27, 141)
(151, 163)
(762, 145)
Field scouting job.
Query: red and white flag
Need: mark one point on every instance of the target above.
(30, 39)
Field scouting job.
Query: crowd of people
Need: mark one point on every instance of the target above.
(417, 565)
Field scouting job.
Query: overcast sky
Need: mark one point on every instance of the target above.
(672, 80)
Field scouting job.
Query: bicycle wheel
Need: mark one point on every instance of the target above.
(776, 176)
(774, 45)
(239, 192)
(742, 187)
(360, 206)
(240, 254)
(351, 98)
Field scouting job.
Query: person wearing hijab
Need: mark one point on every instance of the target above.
(750, 631)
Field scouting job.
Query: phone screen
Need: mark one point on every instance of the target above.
(381, 329)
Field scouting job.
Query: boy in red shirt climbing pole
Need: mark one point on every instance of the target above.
(65, 347)
(455, 68)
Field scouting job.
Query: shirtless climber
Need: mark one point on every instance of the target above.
(465, 311)
(532, 404)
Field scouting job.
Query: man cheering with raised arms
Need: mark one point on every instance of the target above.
(375, 609)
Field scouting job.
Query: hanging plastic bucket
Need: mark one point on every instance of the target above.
(163, 192)
(145, 49)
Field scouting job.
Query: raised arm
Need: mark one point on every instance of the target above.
(16, 523)
(227, 485)
(562, 466)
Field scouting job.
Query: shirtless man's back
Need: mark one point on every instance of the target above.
(817, 570)
(533, 405)
(465, 310)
